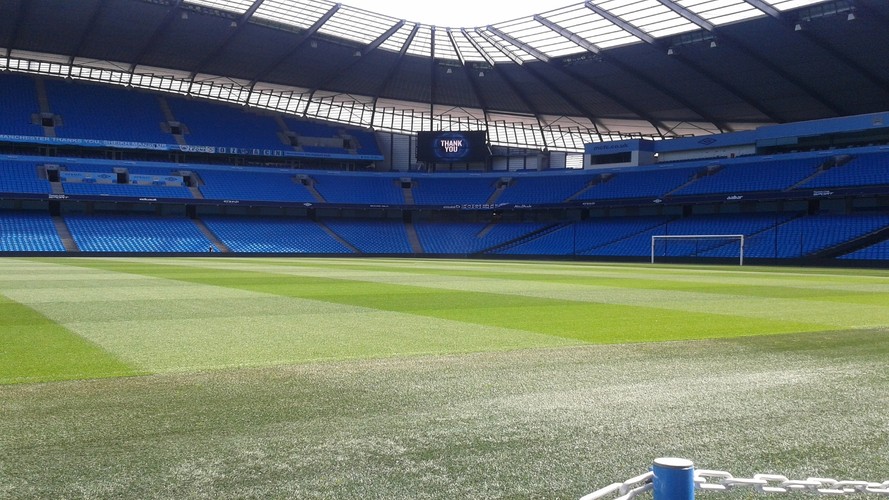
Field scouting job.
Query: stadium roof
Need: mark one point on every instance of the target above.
(584, 72)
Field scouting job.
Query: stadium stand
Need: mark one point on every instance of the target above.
(877, 251)
(863, 170)
(453, 189)
(21, 177)
(469, 238)
(206, 124)
(28, 232)
(639, 184)
(107, 114)
(358, 189)
(267, 235)
(92, 112)
(372, 236)
(17, 109)
(547, 189)
(270, 185)
(752, 176)
(135, 233)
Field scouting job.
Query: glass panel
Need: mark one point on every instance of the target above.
(238, 6)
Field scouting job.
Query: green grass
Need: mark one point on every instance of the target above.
(327, 378)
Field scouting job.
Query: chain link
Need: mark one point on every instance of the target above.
(717, 480)
(627, 490)
(774, 483)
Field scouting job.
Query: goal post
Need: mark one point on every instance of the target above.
(737, 237)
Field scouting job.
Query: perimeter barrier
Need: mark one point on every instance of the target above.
(677, 479)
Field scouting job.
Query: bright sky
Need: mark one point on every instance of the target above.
(458, 13)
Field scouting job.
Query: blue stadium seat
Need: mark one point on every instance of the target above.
(18, 105)
(28, 232)
(106, 113)
(135, 233)
(265, 235)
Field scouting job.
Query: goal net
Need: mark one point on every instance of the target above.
(696, 245)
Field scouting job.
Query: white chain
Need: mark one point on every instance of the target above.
(773, 483)
(717, 480)
(626, 490)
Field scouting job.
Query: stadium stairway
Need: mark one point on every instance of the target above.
(352, 248)
(413, 238)
(222, 247)
(65, 234)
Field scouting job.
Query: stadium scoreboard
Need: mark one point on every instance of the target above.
(452, 147)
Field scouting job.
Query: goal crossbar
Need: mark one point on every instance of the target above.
(739, 237)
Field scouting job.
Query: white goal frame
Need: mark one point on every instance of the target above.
(739, 237)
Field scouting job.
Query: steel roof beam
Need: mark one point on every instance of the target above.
(19, 16)
(570, 35)
(385, 83)
(162, 27)
(520, 44)
(591, 117)
(704, 24)
(382, 38)
(366, 50)
(298, 42)
(456, 47)
(227, 39)
(617, 21)
(522, 97)
(482, 52)
(688, 15)
(88, 29)
(654, 42)
(657, 124)
(768, 9)
(472, 82)
(499, 46)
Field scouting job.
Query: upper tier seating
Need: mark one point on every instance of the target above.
(547, 189)
(760, 175)
(106, 113)
(365, 142)
(639, 184)
(211, 124)
(28, 232)
(863, 170)
(18, 102)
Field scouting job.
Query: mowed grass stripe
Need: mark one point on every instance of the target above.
(165, 325)
(804, 312)
(34, 348)
(849, 288)
(587, 321)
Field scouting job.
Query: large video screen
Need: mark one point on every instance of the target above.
(451, 147)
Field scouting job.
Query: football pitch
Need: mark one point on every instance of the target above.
(413, 378)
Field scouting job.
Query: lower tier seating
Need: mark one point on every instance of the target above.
(766, 236)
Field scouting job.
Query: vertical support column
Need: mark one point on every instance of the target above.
(673, 479)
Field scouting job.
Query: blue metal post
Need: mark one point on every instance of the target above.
(673, 479)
